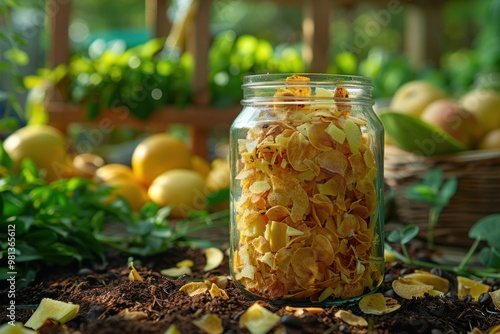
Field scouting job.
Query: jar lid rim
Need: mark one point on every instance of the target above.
(315, 78)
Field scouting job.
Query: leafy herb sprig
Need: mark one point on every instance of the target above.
(71, 220)
(437, 191)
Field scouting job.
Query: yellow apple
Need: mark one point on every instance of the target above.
(414, 96)
(485, 105)
(491, 141)
(459, 123)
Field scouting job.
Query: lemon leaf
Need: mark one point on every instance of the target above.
(416, 136)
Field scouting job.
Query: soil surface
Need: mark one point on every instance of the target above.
(104, 292)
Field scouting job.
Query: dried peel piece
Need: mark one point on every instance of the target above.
(194, 288)
(176, 271)
(172, 329)
(408, 288)
(132, 315)
(258, 320)
(214, 258)
(297, 311)
(221, 281)
(215, 292)
(495, 296)
(53, 309)
(134, 275)
(18, 328)
(353, 135)
(209, 323)
(378, 304)
(439, 283)
(494, 330)
(185, 263)
(351, 319)
(467, 286)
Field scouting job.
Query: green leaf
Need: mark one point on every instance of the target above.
(4, 66)
(161, 215)
(421, 193)
(488, 229)
(142, 229)
(395, 236)
(434, 178)
(17, 56)
(490, 257)
(447, 191)
(5, 159)
(217, 197)
(408, 233)
(418, 137)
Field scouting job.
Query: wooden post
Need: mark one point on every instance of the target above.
(58, 14)
(423, 31)
(156, 17)
(199, 46)
(316, 30)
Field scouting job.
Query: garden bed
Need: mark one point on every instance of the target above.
(104, 292)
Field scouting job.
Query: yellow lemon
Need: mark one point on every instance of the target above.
(43, 144)
(182, 189)
(219, 176)
(131, 191)
(157, 154)
(110, 172)
(200, 165)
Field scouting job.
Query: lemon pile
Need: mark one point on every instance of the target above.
(163, 169)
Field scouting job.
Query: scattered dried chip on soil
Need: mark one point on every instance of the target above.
(104, 292)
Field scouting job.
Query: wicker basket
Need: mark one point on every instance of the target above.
(478, 191)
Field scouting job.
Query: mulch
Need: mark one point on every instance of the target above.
(104, 290)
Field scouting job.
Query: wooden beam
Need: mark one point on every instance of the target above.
(316, 30)
(423, 34)
(58, 14)
(156, 17)
(199, 47)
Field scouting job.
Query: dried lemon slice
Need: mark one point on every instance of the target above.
(349, 318)
(258, 320)
(210, 323)
(378, 304)
(408, 288)
(53, 309)
(214, 258)
(194, 288)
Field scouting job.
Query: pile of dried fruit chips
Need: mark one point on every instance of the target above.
(306, 215)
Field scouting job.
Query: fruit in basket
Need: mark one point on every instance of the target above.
(412, 134)
(414, 96)
(485, 105)
(157, 154)
(182, 189)
(491, 141)
(459, 123)
(43, 144)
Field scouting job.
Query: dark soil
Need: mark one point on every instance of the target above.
(103, 291)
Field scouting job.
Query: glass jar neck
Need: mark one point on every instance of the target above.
(261, 89)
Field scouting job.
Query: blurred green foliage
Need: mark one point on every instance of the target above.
(144, 77)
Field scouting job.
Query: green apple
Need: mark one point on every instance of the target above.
(485, 105)
(414, 96)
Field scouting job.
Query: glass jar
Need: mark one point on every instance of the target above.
(306, 156)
